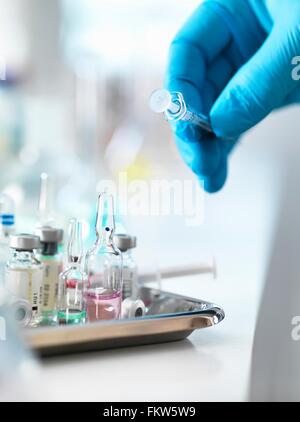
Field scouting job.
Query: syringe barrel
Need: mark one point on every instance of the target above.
(178, 110)
(197, 119)
(174, 107)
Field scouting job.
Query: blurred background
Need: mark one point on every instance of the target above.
(75, 105)
(75, 100)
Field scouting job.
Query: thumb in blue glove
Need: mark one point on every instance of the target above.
(233, 60)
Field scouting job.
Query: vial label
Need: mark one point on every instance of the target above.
(26, 284)
(129, 282)
(52, 269)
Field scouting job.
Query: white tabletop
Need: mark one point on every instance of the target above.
(212, 364)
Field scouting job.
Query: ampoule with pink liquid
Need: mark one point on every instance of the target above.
(103, 266)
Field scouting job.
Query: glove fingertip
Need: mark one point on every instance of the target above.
(213, 184)
(216, 181)
(201, 155)
(226, 120)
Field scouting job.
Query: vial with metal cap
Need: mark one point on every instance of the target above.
(103, 266)
(126, 243)
(52, 260)
(133, 308)
(71, 303)
(24, 274)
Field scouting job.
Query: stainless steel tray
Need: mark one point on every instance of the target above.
(169, 317)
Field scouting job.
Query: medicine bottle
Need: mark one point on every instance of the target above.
(52, 261)
(24, 273)
(125, 243)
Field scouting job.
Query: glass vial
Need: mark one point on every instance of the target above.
(103, 266)
(53, 265)
(125, 243)
(24, 274)
(71, 307)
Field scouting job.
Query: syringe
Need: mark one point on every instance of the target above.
(174, 107)
(148, 275)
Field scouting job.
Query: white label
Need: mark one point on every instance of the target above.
(52, 269)
(26, 284)
(129, 282)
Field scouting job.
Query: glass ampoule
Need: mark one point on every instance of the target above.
(103, 266)
(71, 306)
(45, 205)
(46, 216)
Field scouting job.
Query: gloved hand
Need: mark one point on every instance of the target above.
(233, 60)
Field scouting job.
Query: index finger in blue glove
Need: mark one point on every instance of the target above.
(192, 53)
(197, 44)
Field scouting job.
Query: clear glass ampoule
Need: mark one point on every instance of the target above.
(45, 206)
(71, 306)
(103, 266)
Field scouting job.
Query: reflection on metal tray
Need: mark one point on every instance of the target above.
(169, 317)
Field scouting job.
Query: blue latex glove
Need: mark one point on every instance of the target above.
(232, 60)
